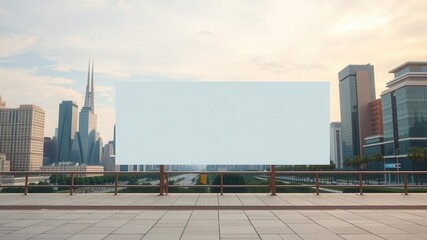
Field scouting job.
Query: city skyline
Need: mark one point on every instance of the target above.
(46, 46)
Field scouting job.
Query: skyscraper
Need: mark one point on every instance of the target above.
(336, 149)
(357, 90)
(87, 145)
(49, 151)
(404, 106)
(2, 103)
(67, 128)
(376, 117)
(21, 136)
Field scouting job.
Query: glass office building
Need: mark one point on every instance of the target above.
(67, 127)
(357, 90)
(404, 106)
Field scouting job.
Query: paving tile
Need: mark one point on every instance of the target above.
(52, 222)
(204, 236)
(36, 229)
(69, 228)
(410, 228)
(18, 236)
(136, 227)
(239, 236)
(321, 236)
(360, 237)
(400, 236)
(150, 215)
(271, 237)
(110, 223)
(53, 236)
(22, 223)
(162, 236)
(93, 230)
(124, 237)
(290, 237)
(301, 228)
(81, 236)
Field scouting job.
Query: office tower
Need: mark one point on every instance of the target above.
(404, 106)
(357, 90)
(108, 158)
(21, 136)
(49, 150)
(114, 140)
(376, 117)
(87, 145)
(335, 146)
(4, 163)
(67, 128)
(2, 103)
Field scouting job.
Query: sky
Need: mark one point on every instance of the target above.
(45, 46)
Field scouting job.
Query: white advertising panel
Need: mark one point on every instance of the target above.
(193, 122)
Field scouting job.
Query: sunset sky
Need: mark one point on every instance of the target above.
(45, 46)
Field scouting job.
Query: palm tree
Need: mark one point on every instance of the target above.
(415, 154)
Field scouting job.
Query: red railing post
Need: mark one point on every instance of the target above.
(166, 183)
(273, 180)
(72, 184)
(317, 184)
(222, 183)
(162, 180)
(405, 179)
(116, 184)
(26, 184)
(360, 184)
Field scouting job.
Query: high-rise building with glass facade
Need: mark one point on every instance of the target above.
(335, 145)
(404, 106)
(67, 128)
(87, 145)
(357, 90)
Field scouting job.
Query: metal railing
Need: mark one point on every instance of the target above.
(271, 176)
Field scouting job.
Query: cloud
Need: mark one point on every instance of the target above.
(47, 92)
(279, 66)
(206, 40)
(123, 5)
(11, 43)
(209, 34)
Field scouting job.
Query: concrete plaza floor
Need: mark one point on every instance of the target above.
(104, 216)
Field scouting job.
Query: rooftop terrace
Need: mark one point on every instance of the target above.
(212, 216)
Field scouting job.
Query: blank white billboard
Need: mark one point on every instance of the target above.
(222, 123)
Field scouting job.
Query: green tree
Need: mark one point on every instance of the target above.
(417, 154)
(229, 179)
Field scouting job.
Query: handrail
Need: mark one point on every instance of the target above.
(271, 175)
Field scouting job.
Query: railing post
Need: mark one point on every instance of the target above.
(273, 180)
(162, 180)
(405, 179)
(317, 184)
(116, 184)
(72, 184)
(360, 184)
(222, 183)
(166, 183)
(26, 184)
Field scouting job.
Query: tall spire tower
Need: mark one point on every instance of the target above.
(87, 145)
(90, 94)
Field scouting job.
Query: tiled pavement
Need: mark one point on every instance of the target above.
(228, 199)
(213, 224)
